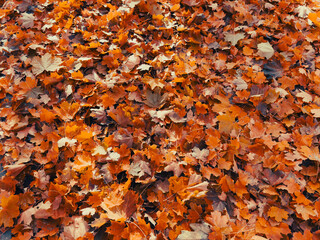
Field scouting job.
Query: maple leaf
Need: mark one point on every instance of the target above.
(303, 11)
(155, 99)
(273, 70)
(131, 62)
(175, 168)
(10, 210)
(306, 97)
(27, 20)
(46, 63)
(199, 231)
(233, 37)
(63, 141)
(161, 114)
(47, 115)
(305, 211)
(200, 154)
(314, 17)
(278, 213)
(217, 219)
(88, 211)
(139, 168)
(316, 112)
(154, 83)
(113, 156)
(144, 67)
(78, 228)
(240, 84)
(99, 150)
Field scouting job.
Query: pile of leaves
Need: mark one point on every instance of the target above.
(145, 119)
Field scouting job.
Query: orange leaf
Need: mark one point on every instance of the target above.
(10, 210)
(107, 100)
(67, 110)
(84, 135)
(305, 211)
(299, 236)
(213, 142)
(226, 122)
(247, 51)
(77, 75)
(28, 85)
(315, 18)
(175, 7)
(47, 115)
(201, 108)
(227, 184)
(278, 214)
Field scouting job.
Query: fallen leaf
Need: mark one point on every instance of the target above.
(63, 141)
(305, 211)
(199, 231)
(139, 168)
(278, 214)
(46, 63)
(78, 228)
(265, 50)
(240, 84)
(273, 70)
(234, 37)
(27, 20)
(155, 99)
(306, 97)
(9, 210)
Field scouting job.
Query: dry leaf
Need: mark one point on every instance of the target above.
(234, 37)
(78, 228)
(199, 231)
(46, 63)
(265, 50)
(27, 20)
(278, 214)
(155, 99)
(240, 84)
(139, 168)
(63, 141)
(306, 97)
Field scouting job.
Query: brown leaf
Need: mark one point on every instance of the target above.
(155, 99)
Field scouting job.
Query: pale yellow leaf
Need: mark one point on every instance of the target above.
(45, 63)
(265, 50)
